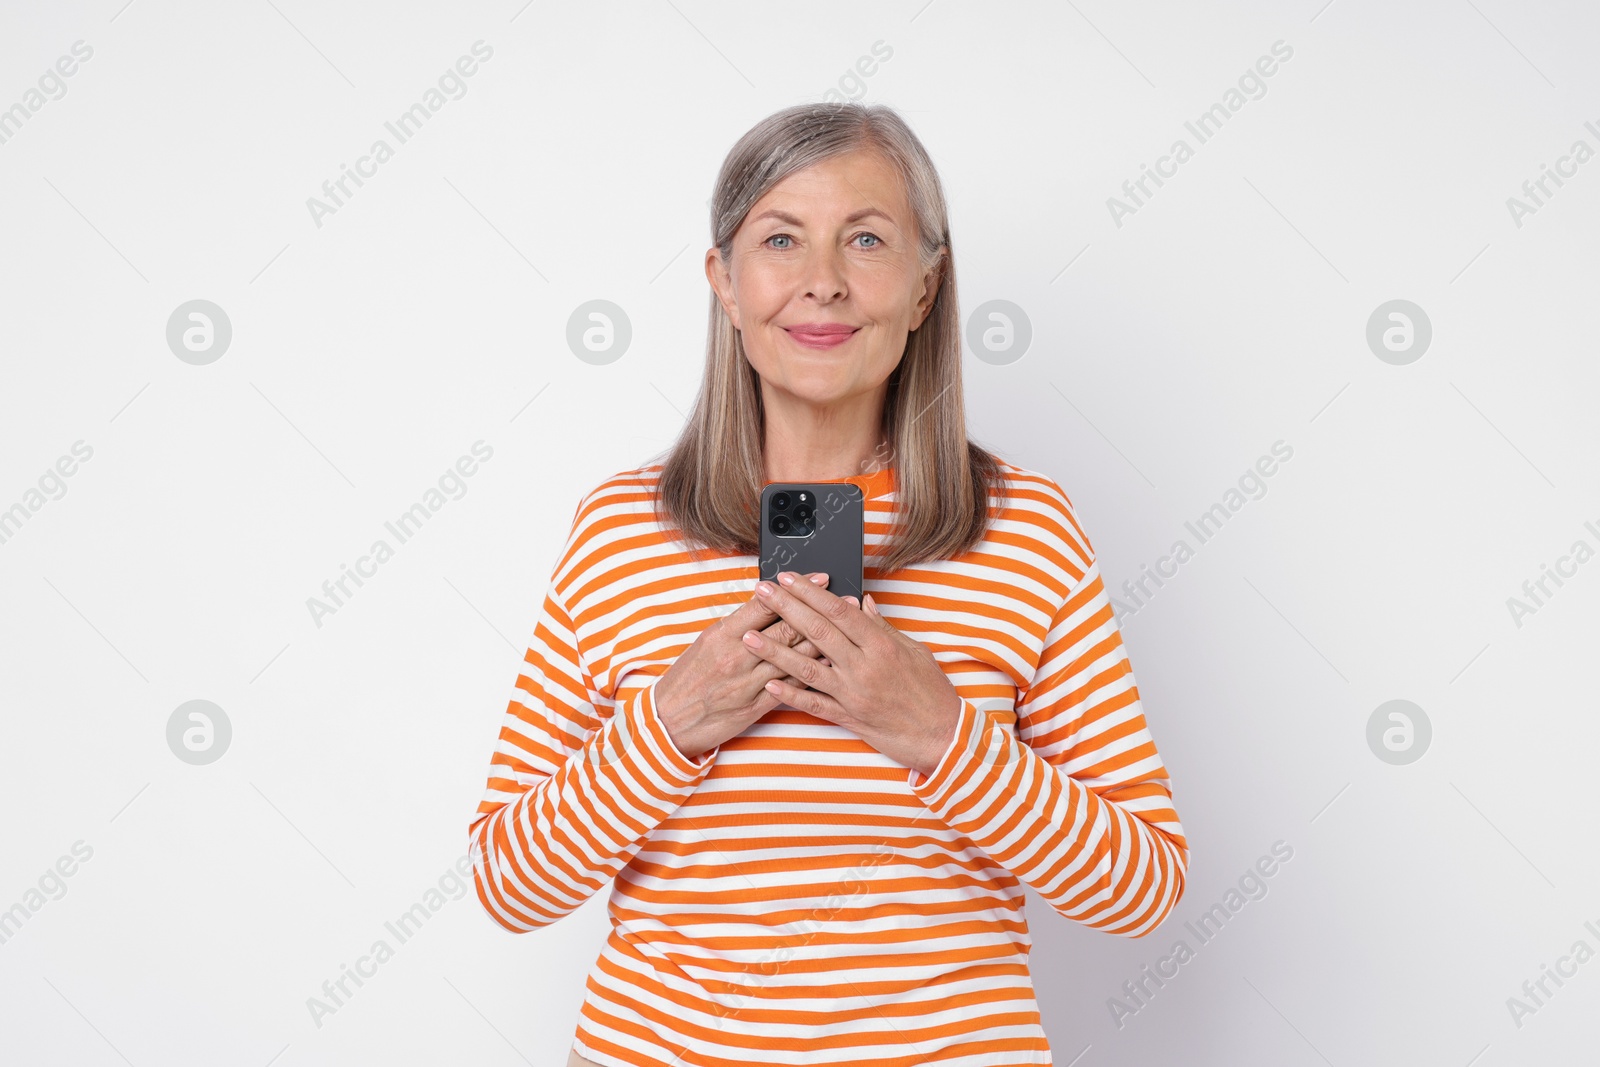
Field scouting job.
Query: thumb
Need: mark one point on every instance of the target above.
(870, 608)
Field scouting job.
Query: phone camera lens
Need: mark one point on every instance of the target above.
(802, 514)
(780, 524)
(780, 501)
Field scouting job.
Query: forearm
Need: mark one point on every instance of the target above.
(1113, 859)
(541, 855)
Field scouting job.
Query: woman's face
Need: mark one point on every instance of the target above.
(831, 246)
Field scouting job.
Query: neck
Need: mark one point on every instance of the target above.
(804, 443)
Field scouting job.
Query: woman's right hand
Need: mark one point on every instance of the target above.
(717, 687)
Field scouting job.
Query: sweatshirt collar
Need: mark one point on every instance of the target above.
(875, 484)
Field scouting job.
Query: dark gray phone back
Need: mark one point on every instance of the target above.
(834, 541)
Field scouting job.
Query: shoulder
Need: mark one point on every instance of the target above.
(607, 516)
(1038, 517)
(624, 492)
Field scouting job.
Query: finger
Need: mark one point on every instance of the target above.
(771, 673)
(760, 608)
(810, 701)
(869, 607)
(766, 699)
(784, 631)
(764, 669)
(765, 672)
(831, 623)
(790, 662)
(757, 613)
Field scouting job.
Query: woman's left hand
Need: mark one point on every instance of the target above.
(873, 680)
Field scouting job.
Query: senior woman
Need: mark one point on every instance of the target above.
(818, 812)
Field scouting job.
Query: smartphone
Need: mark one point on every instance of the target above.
(814, 526)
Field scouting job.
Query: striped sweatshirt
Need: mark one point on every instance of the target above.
(793, 896)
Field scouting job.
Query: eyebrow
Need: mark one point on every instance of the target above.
(784, 216)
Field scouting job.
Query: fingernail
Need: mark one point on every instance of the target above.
(786, 577)
(752, 639)
(853, 600)
(763, 589)
(820, 577)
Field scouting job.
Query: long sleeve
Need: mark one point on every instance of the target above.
(1075, 801)
(572, 794)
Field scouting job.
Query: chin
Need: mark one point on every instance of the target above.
(819, 392)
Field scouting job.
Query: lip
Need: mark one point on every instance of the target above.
(822, 334)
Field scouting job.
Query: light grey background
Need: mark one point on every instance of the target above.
(431, 311)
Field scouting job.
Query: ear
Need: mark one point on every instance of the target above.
(930, 288)
(722, 284)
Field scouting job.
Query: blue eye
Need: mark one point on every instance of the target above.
(864, 233)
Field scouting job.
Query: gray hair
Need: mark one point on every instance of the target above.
(712, 476)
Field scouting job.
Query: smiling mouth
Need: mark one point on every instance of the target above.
(822, 339)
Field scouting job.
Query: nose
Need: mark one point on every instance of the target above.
(824, 273)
